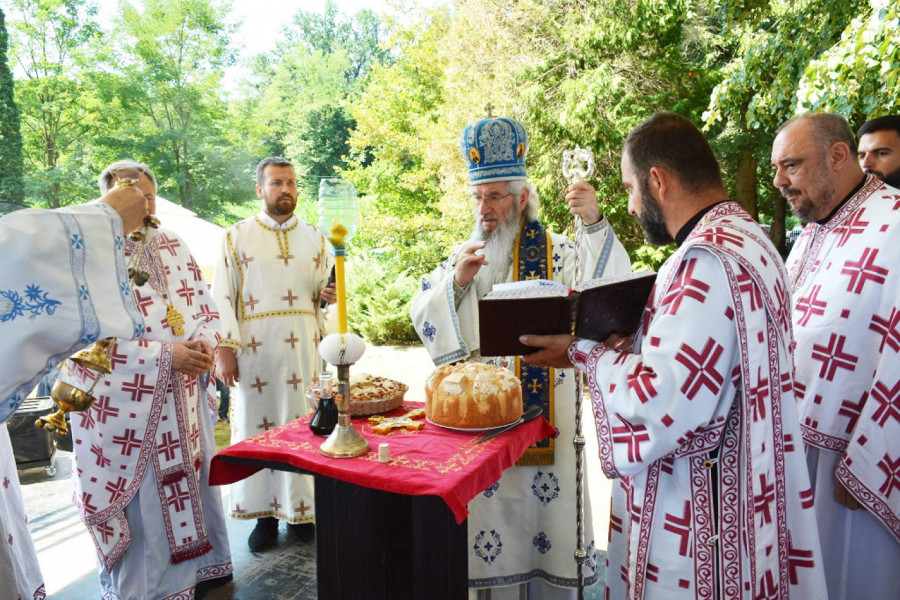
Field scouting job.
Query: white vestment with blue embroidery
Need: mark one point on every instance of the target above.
(522, 528)
(63, 285)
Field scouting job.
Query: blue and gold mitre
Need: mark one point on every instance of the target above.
(494, 150)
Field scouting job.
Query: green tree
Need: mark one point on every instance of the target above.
(171, 56)
(11, 182)
(52, 44)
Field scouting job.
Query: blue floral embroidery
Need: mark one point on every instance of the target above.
(545, 487)
(77, 242)
(542, 543)
(120, 243)
(425, 285)
(590, 561)
(488, 546)
(560, 376)
(13, 305)
(83, 292)
(428, 330)
(490, 491)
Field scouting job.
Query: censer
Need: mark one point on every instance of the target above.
(68, 397)
(96, 358)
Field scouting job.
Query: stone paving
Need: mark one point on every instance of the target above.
(284, 572)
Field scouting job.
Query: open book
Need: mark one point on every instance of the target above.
(594, 310)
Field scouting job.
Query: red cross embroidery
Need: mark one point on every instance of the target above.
(852, 410)
(798, 558)
(194, 435)
(142, 302)
(889, 328)
(762, 502)
(167, 243)
(265, 424)
(190, 386)
(87, 419)
(168, 446)
(758, 397)
(177, 497)
(686, 286)
(768, 589)
(206, 313)
(701, 368)
(245, 260)
(891, 468)
(853, 226)
(720, 236)
(251, 302)
(101, 460)
(102, 409)
(194, 268)
(810, 305)
(285, 258)
(105, 531)
(747, 286)
(888, 402)
(186, 292)
(274, 504)
(680, 526)
(128, 440)
(631, 435)
(783, 305)
(86, 503)
(864, 270)
(137, 388)
(833, 357)
(302, 508)
(615, 523)
(116, 489)
(652, 572)
(641, 382)
(807, 499)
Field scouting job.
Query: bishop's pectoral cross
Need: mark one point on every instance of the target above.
(175, 320)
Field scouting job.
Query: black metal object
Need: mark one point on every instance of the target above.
(33, 447)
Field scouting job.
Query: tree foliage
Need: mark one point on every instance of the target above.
(12, 187)
(381, 100)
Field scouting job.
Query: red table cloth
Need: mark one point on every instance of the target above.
(432, 461)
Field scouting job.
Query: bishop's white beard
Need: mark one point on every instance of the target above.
(498, 250)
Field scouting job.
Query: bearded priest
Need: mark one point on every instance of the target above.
(522, 528)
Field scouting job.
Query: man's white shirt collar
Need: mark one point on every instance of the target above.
(269, 221)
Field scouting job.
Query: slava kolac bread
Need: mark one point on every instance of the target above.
(472, 396)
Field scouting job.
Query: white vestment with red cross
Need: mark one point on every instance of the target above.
(149, 419)
(267, 286)
(846, 279)
(698, 425)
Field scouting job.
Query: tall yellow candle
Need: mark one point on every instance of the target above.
(338, 232)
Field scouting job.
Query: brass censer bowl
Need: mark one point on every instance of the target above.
(68, 397)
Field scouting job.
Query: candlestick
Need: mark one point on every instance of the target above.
(338, 233)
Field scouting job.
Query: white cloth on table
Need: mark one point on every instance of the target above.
(267, 287)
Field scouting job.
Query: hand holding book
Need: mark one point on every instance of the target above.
(593, 310)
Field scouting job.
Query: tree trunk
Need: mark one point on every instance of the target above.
(778, 235)
(745, 184)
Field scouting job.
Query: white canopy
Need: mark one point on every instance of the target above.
(202, 237)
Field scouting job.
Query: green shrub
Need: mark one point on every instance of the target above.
(378, 298)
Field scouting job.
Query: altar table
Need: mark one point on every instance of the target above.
(388, 530)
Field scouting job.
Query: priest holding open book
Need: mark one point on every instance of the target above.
(521, 529)
(695, 415)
